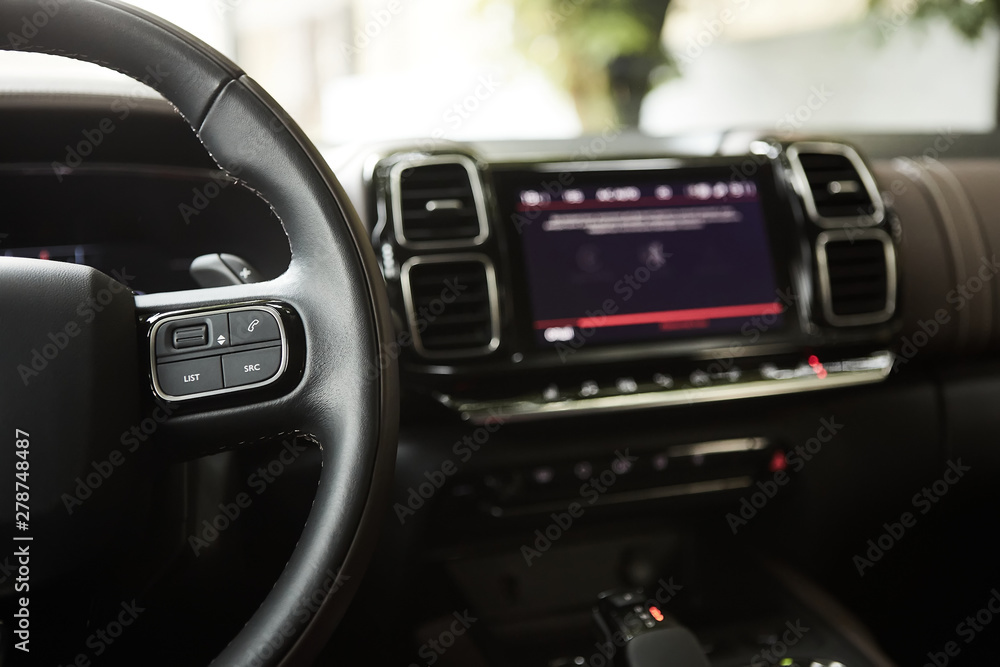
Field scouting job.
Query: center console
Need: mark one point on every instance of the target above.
(528, 290)
(534, 295)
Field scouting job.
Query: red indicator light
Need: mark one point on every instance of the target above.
(817, 367)
(43, 254)
(778, 461)
(656, 613)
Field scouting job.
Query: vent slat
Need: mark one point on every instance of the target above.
(455, 299)
(858, 277)
(458, 277)
(465, 215)
(437, 203)
(460, 320)
(845, 211)
(433, 233)
(860, 272)
(473, 340)
(477, 298)
(454, 192)
(847, 291)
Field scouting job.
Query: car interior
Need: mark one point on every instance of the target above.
(676, 382)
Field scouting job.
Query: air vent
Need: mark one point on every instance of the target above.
(437, 202)
(836, 186)
(857, 276)
(451, 304)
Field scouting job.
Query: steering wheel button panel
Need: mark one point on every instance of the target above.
(243, 368)
(253, 326)
(192, 354)
(196, 376)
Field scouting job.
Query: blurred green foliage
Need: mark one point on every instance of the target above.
(969, 17)
(607, 54)
(603, 52)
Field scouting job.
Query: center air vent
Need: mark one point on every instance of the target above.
(857, 272)
(451, 305)
(437, 202)
(836, 186)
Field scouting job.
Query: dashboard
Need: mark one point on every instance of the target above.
(553, 287)
(540, 280)
(563, 306)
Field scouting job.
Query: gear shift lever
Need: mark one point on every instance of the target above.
(640, 634)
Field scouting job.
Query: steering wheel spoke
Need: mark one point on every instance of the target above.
(165, 302)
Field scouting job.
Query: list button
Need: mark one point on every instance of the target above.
(183, 378)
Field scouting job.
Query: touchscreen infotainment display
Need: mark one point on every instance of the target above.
(644, 260)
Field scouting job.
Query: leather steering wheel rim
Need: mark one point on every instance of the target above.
(347, 397)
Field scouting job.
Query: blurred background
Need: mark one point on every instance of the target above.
(351, 70)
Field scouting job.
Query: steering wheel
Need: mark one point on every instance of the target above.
(81, 359)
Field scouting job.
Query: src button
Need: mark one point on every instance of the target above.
(239, 368)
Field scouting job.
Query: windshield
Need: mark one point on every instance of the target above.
(355, 70)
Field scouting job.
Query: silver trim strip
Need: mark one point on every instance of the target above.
(657, 493)
(822, 267)
(225, 390)
(876, 369)
(732, 446)
(411, 315)
(800, 180)
(395, 192)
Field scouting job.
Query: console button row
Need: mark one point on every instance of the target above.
(717, 382)
(698, 378)
(590, 388)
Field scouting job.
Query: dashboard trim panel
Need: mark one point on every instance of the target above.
(871, 370)
(656, 493)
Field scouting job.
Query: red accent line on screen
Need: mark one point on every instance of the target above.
(664, 316)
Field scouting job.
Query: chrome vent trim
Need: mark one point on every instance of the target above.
(396, 196)
(800, 180)
(412, 314)
(826, 295)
